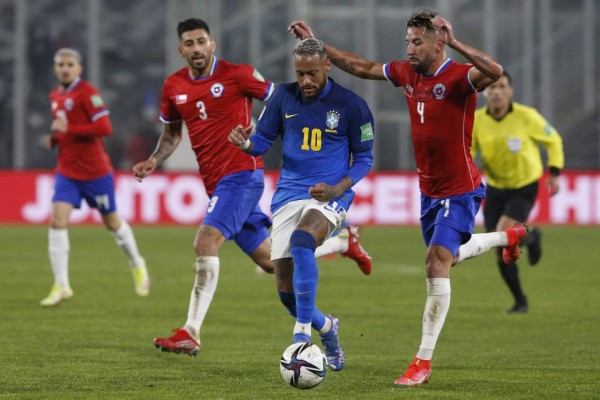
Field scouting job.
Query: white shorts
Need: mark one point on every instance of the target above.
(286, 219)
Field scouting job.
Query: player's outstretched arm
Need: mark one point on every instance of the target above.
(167, 143)
(344, 60)
(487, 70)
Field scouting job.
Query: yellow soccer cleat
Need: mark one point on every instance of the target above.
(141, 280)
(57, 294)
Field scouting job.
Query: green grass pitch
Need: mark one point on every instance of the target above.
(98, 345)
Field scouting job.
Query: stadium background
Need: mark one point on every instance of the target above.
(551, 48)
(99, 345)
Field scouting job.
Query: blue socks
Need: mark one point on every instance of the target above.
(288, 299)
(306, 276)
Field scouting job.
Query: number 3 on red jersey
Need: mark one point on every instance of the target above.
(201, 110)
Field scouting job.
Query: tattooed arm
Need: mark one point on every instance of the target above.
(486, 71)
(344, 60)
(167, 143)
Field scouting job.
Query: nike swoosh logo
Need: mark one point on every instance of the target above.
(302, 292)
(289, 115)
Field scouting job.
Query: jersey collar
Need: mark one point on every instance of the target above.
(440, 69)
(212, 71)
(327, 89)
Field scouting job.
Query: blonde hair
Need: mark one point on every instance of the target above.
(67, 51)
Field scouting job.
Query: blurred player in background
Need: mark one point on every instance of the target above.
(323, 126)
(212, 96)
(84, 171)
(441, 100)
(508, 135)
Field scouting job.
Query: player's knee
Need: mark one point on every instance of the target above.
(208, 242)
(302, 239)
(288, 299)
(112, 221)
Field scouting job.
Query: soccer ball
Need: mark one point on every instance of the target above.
(303, 365)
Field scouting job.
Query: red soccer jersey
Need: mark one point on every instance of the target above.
(80, 156)
(211, 107)
(442, 109)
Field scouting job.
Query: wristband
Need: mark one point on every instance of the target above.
(245, 145)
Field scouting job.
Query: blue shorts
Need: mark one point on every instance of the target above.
(233, 209)
(98, 193)
(449, 221)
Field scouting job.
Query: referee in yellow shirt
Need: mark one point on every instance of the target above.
(508, 135)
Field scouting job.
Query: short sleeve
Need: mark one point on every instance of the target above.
(394, 72)
(253, 84)
(168, 111)
(94, 104)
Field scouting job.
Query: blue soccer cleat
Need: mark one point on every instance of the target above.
(333, 350)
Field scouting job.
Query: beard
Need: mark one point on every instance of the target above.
(420, 68)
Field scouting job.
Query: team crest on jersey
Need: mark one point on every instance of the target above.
(69, 104)
(439, 91)
(216, 89)
(181, 99)
(408, 90)
(331, 121)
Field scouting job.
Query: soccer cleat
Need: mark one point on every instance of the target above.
(356, 252)
(417, 373)
(512, 251)
(57, 294)
(180, 342)
(141, 280)
(333, 350)
(534, 246)
(518, 308)
(510, 255)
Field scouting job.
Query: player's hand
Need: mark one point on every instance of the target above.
(59, 125)
(144, 168)
(47, 142)
(239, 135)
(323, 192)
(444, 30)
(553, 184)
(51, 141)
(300, 30)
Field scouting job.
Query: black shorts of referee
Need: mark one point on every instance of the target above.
(514, 203)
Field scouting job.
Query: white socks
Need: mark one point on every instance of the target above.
(480, 243)
(205, 285)
(58, 250)
(436, 308)
(333, 245)
(124, 238)
(304, 329)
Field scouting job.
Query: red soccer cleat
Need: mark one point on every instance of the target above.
(356, 252)
(511, 253)
(180, 342)
(417, 373)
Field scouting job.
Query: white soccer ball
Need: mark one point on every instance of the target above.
(303, 365)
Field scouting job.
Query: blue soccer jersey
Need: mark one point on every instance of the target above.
(324, 139)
